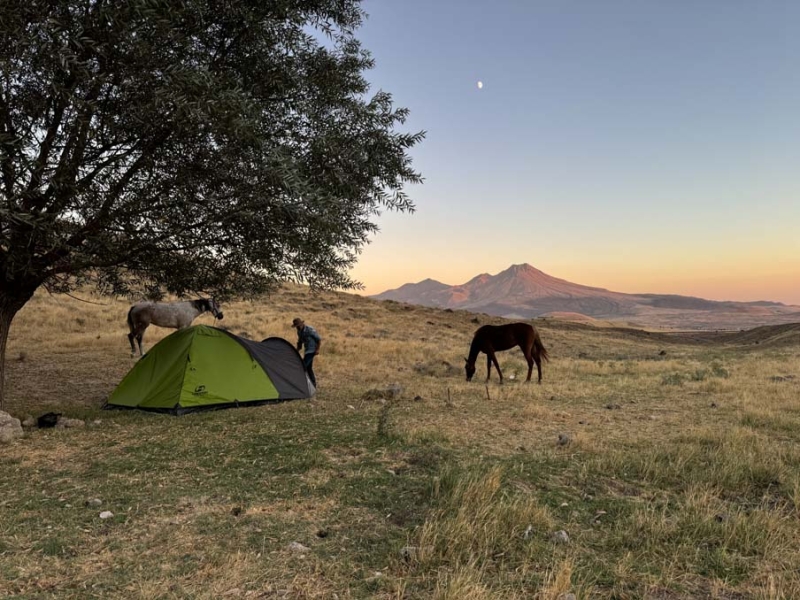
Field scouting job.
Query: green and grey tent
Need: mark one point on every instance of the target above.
(203, 367)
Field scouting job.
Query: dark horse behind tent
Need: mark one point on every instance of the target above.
(494, 338)
(177, 315)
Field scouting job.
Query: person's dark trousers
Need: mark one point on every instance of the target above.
(308, 361)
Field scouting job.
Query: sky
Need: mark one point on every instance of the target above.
(641, 146)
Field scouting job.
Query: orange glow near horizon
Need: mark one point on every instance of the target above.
(744, 282)
(742, 258)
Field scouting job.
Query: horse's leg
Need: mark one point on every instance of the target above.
(497, 366)
(538, 360)
(139, 337)
(529, 358)
(133, 348)
(488, 366)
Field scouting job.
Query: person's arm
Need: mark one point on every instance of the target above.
(317, 339)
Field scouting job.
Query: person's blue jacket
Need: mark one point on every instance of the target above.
(308, 337)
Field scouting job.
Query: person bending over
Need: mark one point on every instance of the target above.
(307, 336)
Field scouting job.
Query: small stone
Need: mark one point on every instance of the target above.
(106, 514)
(662, 353)
(559, 537)
(236, 511)
(322, 533)
(613, 406)
(528, 532)
(297, 547)
(418, 398)
(93, 502)
(564, 439)
(713, 405)
(395, 390)
(566, 596)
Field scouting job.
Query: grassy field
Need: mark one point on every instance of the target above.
(645, 466)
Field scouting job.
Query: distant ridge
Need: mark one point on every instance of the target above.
(523, 291)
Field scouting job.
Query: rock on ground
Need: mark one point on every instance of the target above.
(64, 422)
(390, 392)
(10, 428)
(297, 547)
(559, 537)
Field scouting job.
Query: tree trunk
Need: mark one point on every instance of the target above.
(10, 304)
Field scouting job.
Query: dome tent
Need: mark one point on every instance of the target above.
(201, 367)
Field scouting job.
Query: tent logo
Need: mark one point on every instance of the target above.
(199, 390)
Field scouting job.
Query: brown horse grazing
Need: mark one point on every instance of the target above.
(494, 338)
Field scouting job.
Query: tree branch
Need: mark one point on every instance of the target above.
(40, 164)
(8, 140)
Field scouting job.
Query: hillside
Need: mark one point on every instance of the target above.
(522, 291)
(646, 465)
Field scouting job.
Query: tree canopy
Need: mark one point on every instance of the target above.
(189, 145)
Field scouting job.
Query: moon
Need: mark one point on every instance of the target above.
(480, 85)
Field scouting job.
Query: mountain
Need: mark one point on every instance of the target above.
(425, 292)
(522, 291)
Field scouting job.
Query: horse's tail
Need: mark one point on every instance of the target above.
(539, 347)
(130, 318)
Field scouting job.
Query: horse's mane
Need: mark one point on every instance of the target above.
(202, 304)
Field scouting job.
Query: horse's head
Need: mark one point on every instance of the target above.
(470, 368)
(213, 308)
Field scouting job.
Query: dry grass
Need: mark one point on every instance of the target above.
(680, 477)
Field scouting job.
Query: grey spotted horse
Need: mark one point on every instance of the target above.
(177, 315)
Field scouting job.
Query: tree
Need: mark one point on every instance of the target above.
(214, 145)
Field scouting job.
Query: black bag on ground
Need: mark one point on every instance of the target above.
(48, 420)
